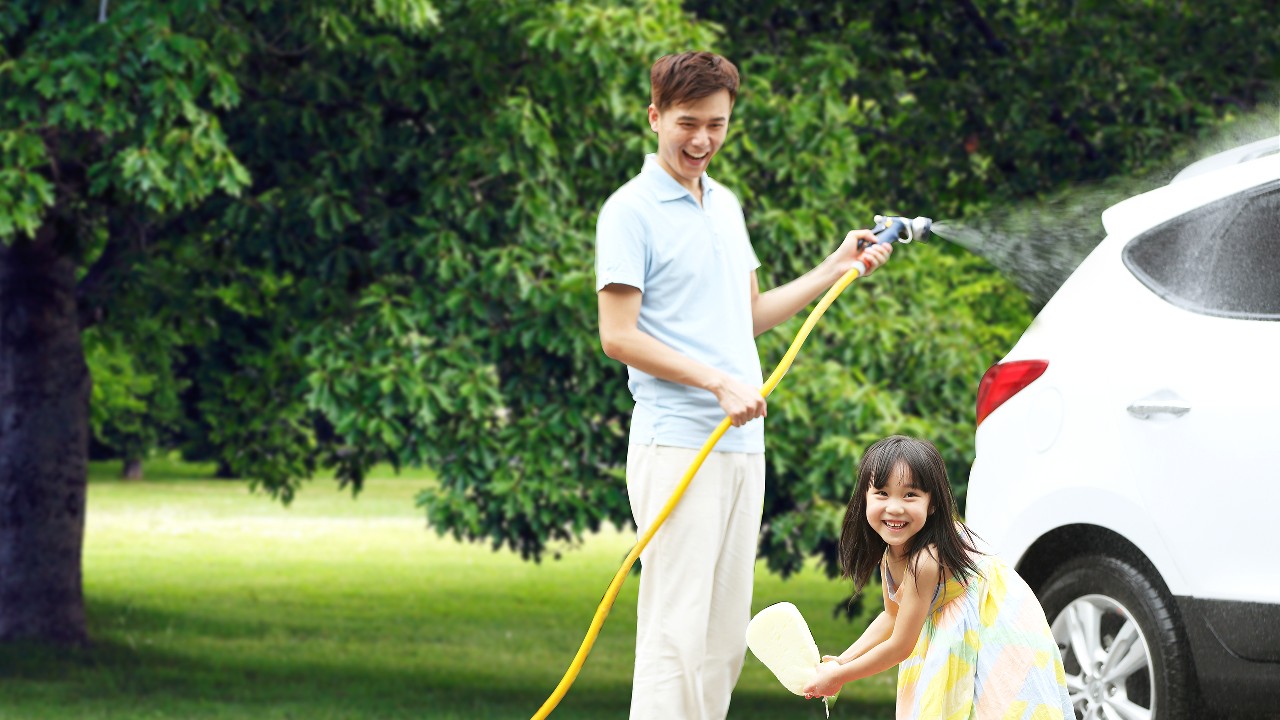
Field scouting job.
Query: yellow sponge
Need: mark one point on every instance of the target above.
(780, 637)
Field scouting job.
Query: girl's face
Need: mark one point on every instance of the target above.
(898, 510)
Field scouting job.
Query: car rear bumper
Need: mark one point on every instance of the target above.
(1236, 647)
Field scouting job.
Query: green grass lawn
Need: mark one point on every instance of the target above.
(207, 601)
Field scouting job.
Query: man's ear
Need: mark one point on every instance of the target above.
(653, 117)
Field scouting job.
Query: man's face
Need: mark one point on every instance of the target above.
(689, 134)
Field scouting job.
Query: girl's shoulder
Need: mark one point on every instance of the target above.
(920, 573)
(926, 563)
(923, 565)
(931, 570)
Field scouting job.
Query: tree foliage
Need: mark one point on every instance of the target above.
(107, 118)
(846, 111)
(134, 407)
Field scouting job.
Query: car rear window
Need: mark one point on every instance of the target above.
(1220, 259)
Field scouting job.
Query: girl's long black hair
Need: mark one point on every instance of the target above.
(861, 547)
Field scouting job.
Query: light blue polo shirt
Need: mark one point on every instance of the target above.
(693, 265)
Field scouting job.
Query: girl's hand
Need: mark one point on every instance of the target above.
(826, 683)
(828, 658)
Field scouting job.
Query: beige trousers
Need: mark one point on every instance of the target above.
(695, 581)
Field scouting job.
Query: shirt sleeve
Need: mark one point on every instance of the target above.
(621, 246)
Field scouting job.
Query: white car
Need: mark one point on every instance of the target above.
(1128, 451)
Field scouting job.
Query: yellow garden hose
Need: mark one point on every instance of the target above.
(602, 611)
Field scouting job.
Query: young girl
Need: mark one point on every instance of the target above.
(967, 634)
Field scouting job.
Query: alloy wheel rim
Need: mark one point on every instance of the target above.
(1107, 660)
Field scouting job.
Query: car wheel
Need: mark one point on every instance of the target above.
(1121, 645)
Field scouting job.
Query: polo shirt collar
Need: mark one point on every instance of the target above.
(664, 186)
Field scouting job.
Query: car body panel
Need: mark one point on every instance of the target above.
(1082, 457)
(1155, 427)
(1235, 156)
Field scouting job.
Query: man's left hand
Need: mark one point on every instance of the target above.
(874, 256)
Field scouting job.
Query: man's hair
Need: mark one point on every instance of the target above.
(678, 79)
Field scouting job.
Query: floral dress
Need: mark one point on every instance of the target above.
(985, 653)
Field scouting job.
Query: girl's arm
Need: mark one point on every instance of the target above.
(915, 596)
(877, 632)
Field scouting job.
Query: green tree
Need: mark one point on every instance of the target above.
(107, 128)
(134, 405)
(110, 138)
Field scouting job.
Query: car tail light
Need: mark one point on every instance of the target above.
(1003, 380)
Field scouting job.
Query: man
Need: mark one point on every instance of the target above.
(680, 306)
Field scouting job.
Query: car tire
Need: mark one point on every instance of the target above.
(1109, 610)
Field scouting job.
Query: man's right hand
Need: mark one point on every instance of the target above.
(740, 401)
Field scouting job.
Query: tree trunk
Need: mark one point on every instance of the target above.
(132, 469)
(44, 446)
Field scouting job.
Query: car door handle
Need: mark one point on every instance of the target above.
(1161, 403)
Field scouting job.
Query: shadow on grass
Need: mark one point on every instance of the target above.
(128, 672)
(175, 469)
(258, 669)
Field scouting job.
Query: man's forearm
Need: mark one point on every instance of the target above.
(768, 310)
(646, 353)
(623, 340)
(776, 306)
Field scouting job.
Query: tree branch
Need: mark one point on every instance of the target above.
(1074, 132)
(994, 44)
(93, 289)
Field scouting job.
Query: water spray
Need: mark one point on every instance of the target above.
(888, 229)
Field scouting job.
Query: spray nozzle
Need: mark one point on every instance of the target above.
(891, 228)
